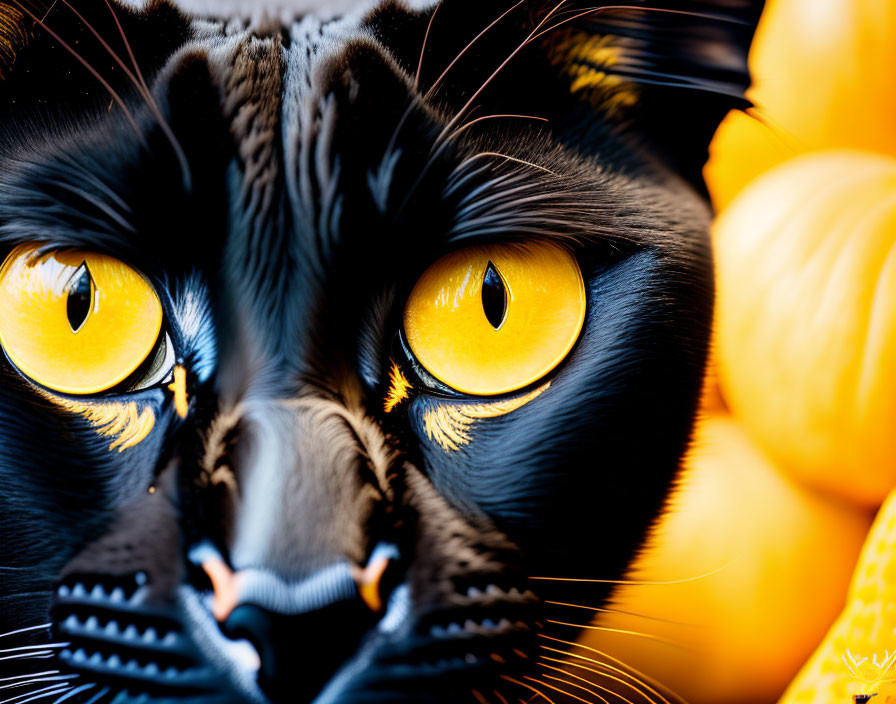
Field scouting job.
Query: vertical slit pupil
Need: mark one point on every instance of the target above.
(80, 297)
(494, 297)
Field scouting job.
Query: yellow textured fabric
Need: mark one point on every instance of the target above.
(858, 655)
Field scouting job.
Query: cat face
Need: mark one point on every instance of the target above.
(334, 351)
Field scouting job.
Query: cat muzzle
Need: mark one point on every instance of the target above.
(291, 624)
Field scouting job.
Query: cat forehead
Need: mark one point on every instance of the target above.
(328, 131)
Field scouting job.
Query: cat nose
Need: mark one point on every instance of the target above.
(332, 584)
(303, 631)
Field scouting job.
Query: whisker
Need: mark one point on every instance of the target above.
(500, 696)
(105, 45)
(100, 695)
(150, 100)
(516, 160)
(540, 31)
(35, 647)
(619, 612)
(557, 689)
(423, 48)
(52, 693)
(128, 48)
(467, 48)
(440, 142)
(637, 683)
(620, 631)
(75, 692)
(642, 678)
(138, 81)
(37, 680)
(30, 674)
(428, 94)
(117, 98)
(451, 123)
(479, 698)
(523, 684)
(407, 113)
(636, 689)
(41, 627)
(47, 13)
(592, 693)
(38, 655)
(636, 582)
(662, 10)
(469, 124)
(31, 696)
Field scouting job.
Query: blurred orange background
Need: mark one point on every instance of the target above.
(796, 448)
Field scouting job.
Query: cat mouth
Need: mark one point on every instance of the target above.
(131, 651)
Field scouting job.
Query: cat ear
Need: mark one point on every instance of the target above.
(672, 68)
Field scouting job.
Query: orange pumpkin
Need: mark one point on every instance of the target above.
(806, 311)
(765, 563)
(824, 77)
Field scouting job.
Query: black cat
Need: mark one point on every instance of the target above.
(335, 349)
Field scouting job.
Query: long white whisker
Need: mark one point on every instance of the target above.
(55, 688)
(31, 674)
(35, 655)
(37, 681)
(43, 626)
(52, 693)
(98, 696)
(74, 692)
(44, 646)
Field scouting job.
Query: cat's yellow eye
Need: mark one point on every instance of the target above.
(74, 321)
(492, 319)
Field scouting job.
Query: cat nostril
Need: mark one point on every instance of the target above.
(379, 577)
(225, 584)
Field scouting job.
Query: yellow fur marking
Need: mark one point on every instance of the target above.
(398, 388)
(449, 425)
(179, 388)
(587, 59)
(122, 421)
(13, 36)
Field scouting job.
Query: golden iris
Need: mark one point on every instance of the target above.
(76, 322)
(492, 319)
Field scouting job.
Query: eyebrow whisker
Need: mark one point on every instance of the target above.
(115, 96)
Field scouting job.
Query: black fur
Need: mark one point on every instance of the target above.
(308, 178)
